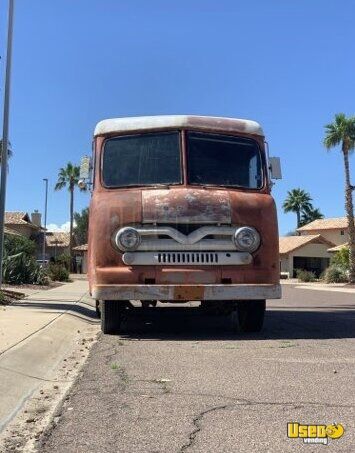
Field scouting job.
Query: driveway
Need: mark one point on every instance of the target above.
(179, 382)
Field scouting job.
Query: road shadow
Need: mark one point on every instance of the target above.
(79, 310)
(171, 324)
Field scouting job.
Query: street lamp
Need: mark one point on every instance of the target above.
(5, 130)
(45, 221)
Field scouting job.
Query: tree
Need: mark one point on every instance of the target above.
(342, 132)
(9, 150)
(68, 177)
(81, 227)
(309, 215)
(297, 201)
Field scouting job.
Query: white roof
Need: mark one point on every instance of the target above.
(144, 123)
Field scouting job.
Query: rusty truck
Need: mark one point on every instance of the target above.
(181, 210)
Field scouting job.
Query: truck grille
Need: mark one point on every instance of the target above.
(188, 258)
(195, 258)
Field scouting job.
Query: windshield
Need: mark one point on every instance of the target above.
(223, 160)
(142, 160)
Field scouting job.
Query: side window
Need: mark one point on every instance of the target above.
(342, 233)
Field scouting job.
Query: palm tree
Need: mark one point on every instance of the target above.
(309, 215)
(68, 177)
(9, 150)
(342, 132)
(81, 226)
(297, 201)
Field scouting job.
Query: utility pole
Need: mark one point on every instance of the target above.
(5, 131)
(45, 222)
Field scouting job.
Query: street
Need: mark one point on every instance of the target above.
(176, 381)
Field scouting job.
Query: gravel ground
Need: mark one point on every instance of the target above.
(176, 381)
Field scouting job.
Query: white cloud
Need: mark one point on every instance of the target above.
(64, 227)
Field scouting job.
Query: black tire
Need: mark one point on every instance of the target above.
(251, 315)
(111, 316)
(98, 308)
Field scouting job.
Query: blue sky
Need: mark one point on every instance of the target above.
(287, 64)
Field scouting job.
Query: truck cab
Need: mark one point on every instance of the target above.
(181, 210)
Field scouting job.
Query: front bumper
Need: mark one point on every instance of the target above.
(186, 292)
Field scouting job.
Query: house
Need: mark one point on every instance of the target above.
(57, 243)
(334, 229)
(314, 246)
(21, 223)
(10, 232)
(81, 258)
(309, 252)
(337, 248)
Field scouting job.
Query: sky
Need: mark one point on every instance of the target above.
(287, 64)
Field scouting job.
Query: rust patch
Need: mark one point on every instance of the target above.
(183, 205)
(187, 292)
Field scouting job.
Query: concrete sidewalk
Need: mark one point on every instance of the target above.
(320, 286)
(36, 334)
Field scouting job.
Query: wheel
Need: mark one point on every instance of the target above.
(111, 316)
(98, 309)
(218, 307)
(251, 315)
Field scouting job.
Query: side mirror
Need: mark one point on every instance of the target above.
(85, 172)
(275, 168)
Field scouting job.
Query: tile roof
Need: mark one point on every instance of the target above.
(19, 218)
(57, 239)
(289, 244)
(81, 248)
(338, 247)
(326, 224)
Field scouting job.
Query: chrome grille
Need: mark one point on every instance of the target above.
(188, 258)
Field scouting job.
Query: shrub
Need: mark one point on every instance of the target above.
(21, 269)
(335, 274)
(58, 272)
(64, 260)
(305, 276)
(341, 258)
(19, 244)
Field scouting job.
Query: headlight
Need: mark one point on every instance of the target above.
(247, 239)
(127, 238)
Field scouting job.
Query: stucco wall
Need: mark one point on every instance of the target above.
(309, 250)
(333, 236)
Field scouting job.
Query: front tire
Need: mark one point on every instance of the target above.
(111, 316)
(251, 315)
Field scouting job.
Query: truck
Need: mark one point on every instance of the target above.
(181, 210)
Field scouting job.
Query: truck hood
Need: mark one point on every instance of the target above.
(186, 205)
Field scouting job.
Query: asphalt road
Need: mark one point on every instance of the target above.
(177, 381)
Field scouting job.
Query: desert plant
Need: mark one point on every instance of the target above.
(335, 274)
(19, 244)
(341, 258)
(309, 215)
(21, 269)
(342, 132)
(69, 177)
(82, 226)
(19, 264)
(305, 276)
(64, 260)
(297, 201)
(58, 272)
